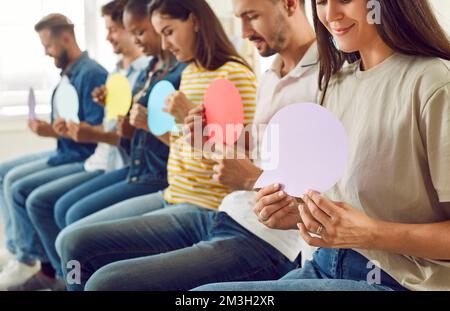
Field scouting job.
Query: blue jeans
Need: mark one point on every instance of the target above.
(27, 243)
(176, 247)
(100, 193)
(33, 163)
(330, 270)
(137, 206)
(40, 208)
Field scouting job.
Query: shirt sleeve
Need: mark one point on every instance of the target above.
(436, 125)
(93, 113)
(245, 81)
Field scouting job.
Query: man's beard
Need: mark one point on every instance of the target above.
(63, 60)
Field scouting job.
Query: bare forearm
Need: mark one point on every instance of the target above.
(252, 178)
(110, 138)
(48, 132)
(430, 241)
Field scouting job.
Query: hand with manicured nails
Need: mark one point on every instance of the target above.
(99, 95)
(60, 127)
(178, 105)
(41, 128)
(343, 226)
(139, 117)
(276, 209)
(124, 128)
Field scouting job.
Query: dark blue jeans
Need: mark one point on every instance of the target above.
(330, 270)
(177, 247)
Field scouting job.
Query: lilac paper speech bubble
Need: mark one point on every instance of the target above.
(309, 151)
(31, 105)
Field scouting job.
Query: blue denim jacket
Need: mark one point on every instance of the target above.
(148, 154)
(85, 75)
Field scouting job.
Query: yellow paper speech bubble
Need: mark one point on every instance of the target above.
(118, 97)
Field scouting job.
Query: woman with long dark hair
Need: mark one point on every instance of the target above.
(385, 225)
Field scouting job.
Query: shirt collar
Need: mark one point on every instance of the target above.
(138, 64)
(310, 59)
(76, 66)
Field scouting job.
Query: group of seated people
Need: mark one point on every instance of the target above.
(116, 207)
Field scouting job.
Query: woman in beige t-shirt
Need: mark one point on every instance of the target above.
(386, 224)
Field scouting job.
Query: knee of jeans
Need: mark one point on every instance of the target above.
(72, 245)
(59, 214)
(3, 173)
(34, 206)
(72, 216)
(107, 278)
(18, 193)
(75, 213)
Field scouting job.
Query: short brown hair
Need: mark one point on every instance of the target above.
(56, 23)
(115, 10)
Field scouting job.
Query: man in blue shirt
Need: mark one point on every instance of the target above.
(20, 177)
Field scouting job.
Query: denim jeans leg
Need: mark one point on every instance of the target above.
(159, 232)
(11, 172)
(129, 208)
(65, 202)
(226, 252)
(40, 206)
(28, 245)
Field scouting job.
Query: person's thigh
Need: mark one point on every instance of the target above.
(23, 187)
(8, 165)
(159, 232)
(109, 196)
(129, 208)
(221, 259)
(65, 202)
(15, 169)
(47, 194)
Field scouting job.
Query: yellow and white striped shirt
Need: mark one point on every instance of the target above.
(190, 178)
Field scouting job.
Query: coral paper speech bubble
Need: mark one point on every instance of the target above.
(223, 106)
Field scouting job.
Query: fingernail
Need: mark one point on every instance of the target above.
(281, 193)
(304, 197)
(276, 186)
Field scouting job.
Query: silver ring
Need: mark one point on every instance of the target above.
(319, 230)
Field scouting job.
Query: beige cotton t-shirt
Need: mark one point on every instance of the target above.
(397, 116)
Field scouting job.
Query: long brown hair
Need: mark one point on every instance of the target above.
(213, 48)
(407, 26)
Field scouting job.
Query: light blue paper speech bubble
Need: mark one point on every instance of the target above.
(160, 122)
(66, 101)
